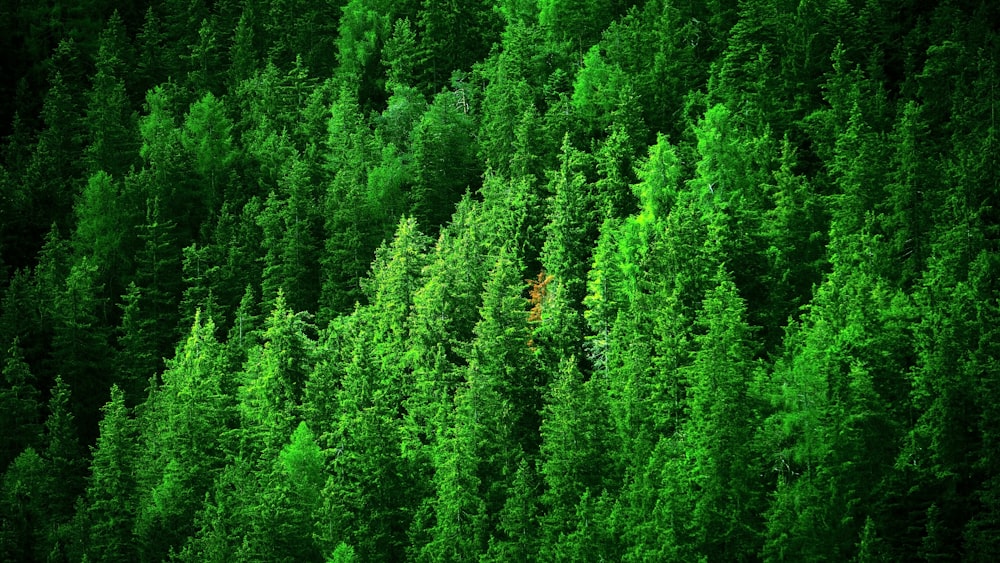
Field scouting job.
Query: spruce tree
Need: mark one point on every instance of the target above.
(108, 512)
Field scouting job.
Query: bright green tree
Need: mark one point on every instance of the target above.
(207, 137)
(108, 511)
(725, 479)
(576, 449)
(181, 430)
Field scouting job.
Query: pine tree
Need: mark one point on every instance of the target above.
(453, 36)
(366, 498)
(108, 511)
(460, 530)
(109, 120)
(207, 137)
(182, 437)
(65, 454)
(54, 165)
(400, 56)
(136, 361)
(575, 451)
(725, 479)
(22, 496)
(518, 534)
(347, 228)
(840, 398)
(206, 58)
(566, 250)
(444, 163)
(81, 343)
(159, 278)
(149, 61)
(274, 380)
(282, 522)
(103, 226)
(20, 408)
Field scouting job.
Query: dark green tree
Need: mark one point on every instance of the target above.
(159, 278)
(81, 342)
(22, 497)
(452, 37)
(110, 122)
(444, 159)
(20, 408)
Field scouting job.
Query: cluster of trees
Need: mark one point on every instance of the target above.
(460, 280)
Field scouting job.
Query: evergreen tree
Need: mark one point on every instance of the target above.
(347, 227)
(274, 379)
(282, 521)
(108, 512)
(101, 230)
(725, 473)
(136, 361)
(575, 452)
(452, 36)
(181, 431)
(461, 528)
(444, 163)
(19, 406)
(22, 496)
(504, 384)
(206, 66)
(109, 120)
(566, 250)
(81, 342)
(158, 277)
(65, 454)
(207, 136)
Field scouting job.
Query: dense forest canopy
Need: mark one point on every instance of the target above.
(551, 280)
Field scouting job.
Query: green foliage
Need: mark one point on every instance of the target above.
(22, 501)
(207, 136)
(181, 431)
(109, 509)
(443, 157)
(458, 281)
(576, 447)
(19, 405)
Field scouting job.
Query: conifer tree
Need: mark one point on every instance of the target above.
(207, 137)
(276, 372)
(575, 451)
(182, 441)
(453, 36)
(444, 163)
(566, 251)
(65, 454)
(725, 473)
(283, 530)
(22, 496)
(20, 408)
(109, 120)
(460, 529)
(159, 277)
(108, 513)
(81, 342)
